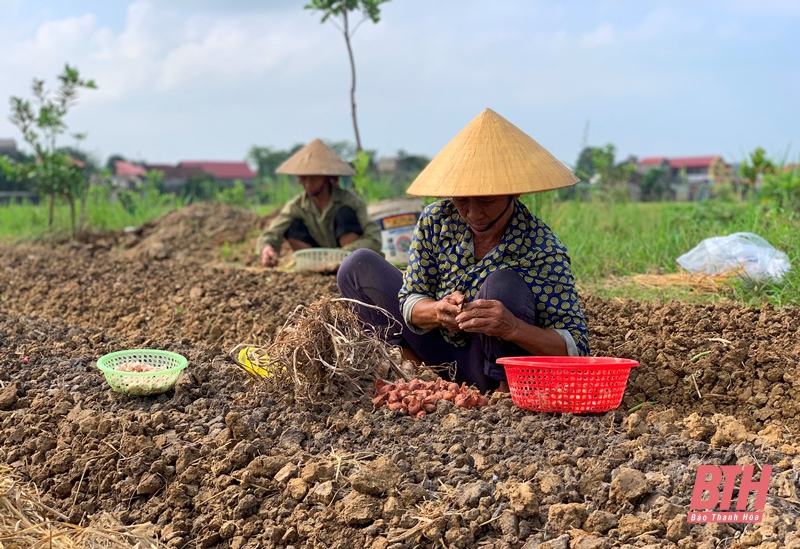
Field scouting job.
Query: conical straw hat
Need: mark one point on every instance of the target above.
(491, 156)
(316, 158)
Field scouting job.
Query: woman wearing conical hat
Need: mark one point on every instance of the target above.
(325, 215)
(486, 278)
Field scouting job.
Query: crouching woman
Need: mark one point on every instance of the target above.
(486, 278)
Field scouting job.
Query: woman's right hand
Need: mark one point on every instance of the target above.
(447, 310)
(269, 257)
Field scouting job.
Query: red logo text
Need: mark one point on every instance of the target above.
(718, 507)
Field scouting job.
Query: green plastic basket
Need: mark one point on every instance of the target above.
(168, 366)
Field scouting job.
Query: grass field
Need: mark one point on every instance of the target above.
(607, 242)
(610, 242)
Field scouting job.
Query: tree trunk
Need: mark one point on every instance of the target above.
(52, 212)
(72, 214)
(82, 215)
(352, 81)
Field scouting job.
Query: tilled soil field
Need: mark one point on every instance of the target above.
(221, 462)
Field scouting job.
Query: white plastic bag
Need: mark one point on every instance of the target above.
(746, 252)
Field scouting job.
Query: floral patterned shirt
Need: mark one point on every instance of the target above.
(441, 261)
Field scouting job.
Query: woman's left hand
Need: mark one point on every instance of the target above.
(487, 316)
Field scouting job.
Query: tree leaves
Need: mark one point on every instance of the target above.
(53, 172)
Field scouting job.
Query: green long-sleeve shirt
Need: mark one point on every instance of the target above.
(320, 224)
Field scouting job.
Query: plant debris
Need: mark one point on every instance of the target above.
(26, 522)
(323, 352)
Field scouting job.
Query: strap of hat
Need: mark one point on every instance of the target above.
(496, 219)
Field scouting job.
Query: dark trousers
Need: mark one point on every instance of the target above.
(367, 277)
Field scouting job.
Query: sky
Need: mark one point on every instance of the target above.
(209, 79)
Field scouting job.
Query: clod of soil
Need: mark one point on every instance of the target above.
(221, 462)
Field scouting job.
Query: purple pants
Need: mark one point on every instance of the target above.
(367, 277)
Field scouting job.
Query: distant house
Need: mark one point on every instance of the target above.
(225, 172)
(175, 177)
(400, 168)
(127, 175)
(127, 169)
(652, 163)
(691, 177)
(387, 166)
(8, 147)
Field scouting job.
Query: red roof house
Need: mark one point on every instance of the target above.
(692, 162)
(223, 170)
(689, 175)
(176, 172)
(652, 161)
(175, 177)
(126, 169)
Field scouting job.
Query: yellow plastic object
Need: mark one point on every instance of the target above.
(249, 361)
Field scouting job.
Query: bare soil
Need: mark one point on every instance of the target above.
(221, 462)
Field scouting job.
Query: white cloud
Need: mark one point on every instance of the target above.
(163, 50)
(175, 76)
(233, 48)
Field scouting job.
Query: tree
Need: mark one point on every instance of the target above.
(756, 167)
(412, 163)
(782, 188)
(339, 11)
(54, 172)
(655, 184)
(612, 177)
(344, 149)
(266, 159)
(585, 168)
(112, 161)
(199, 188)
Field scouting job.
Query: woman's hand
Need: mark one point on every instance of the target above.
(489, 317)
(447, 309)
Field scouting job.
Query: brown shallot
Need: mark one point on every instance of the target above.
(417, 397)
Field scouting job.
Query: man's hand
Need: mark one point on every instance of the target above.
(489, 317)
(447, 309)
(269, 257)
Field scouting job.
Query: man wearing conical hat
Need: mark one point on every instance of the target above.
(325, 215)
(486, 278)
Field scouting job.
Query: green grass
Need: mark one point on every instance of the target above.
(21, 222)
(607, 242)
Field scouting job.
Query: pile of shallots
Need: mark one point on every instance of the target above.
(418, 398)
(136, 367)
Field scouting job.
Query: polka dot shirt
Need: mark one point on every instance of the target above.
(441, 261)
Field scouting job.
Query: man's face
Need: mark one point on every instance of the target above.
(314, 185)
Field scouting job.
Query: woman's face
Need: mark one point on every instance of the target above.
(480, 211)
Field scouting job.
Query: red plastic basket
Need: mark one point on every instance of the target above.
(574, 384)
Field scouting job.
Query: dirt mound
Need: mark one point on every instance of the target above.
(201, 232)
(149, 300)
(219, 462)
(742, 361)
